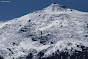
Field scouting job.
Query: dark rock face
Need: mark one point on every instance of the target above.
(1, 57)
(30, 56)
(64, 55)
(54, 3)
(76, 55)
(63, 6)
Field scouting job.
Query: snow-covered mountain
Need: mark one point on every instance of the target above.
(56, 32)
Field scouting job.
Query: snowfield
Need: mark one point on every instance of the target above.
(56, 32)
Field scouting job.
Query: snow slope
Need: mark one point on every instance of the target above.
(53, 28)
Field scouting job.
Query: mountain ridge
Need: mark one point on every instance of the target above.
(53, 28)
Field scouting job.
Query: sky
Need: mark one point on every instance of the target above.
(17, 8)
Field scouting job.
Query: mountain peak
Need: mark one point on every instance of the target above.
(55, 32)
(56, 7)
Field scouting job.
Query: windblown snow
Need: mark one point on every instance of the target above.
(53, 28)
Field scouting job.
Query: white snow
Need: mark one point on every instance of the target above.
(63, 27)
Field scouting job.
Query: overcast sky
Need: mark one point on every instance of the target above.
(10, 9)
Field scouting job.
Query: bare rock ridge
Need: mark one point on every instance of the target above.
(56, 32)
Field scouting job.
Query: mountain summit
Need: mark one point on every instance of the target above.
(56, 32)
(56, 7)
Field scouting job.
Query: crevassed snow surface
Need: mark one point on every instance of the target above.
(53, 28)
